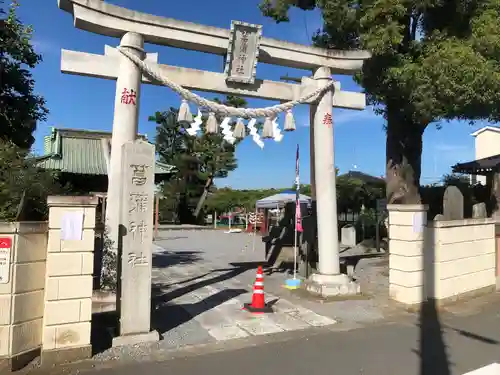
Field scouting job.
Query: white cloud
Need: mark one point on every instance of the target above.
(44, 46)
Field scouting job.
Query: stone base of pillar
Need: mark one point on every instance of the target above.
(332, 285)
(135, 339)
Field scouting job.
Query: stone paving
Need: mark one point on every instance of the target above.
(201, 279)
(207, 276)
(217, 305)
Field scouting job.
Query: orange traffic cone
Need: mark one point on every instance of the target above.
(258, 305)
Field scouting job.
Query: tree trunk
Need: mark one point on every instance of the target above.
(403, 160)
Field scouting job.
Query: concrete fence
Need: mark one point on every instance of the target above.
(23, 252)
(46, 287)
(442, 260)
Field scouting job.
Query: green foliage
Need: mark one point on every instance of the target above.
(227, 199)
(352, 194)
(109, 274)
(20, 108)
(432, 61)
(22, 184)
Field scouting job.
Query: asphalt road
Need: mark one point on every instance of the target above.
(413, 345)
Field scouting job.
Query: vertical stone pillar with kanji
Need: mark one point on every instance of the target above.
(135, 244)
(125, 124)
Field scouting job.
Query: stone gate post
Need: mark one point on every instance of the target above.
(407, 225)
(68, 283)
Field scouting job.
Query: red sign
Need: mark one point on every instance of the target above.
(5, 242)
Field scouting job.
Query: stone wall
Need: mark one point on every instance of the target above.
(465, 256)
(438, 259)
(22, 291)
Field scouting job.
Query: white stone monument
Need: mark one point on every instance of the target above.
(137, 28)
(135, 243)
(348, 235)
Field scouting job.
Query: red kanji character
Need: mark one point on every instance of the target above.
(128, 97)
(327, 120)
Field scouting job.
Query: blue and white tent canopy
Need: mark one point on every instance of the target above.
(279, 200)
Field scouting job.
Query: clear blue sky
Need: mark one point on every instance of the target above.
(87, 103)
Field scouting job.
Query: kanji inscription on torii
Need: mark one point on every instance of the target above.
(128, 97)
(243, 52)
(327, 119)
(136, 220)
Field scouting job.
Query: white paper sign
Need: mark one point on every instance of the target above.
(418, 222)
(5, 249)
(72, 226)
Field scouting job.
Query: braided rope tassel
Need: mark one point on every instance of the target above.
(212, 127)
(239, 131)
(184, 112)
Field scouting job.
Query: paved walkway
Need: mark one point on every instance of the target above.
(214, 298)
(204, 278)
(201, 279)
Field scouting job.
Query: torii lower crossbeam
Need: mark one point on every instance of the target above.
(104, 66)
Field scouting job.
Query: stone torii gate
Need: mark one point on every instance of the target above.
(136, 28)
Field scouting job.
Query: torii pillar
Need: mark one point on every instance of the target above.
(328, 281)
(125, 126)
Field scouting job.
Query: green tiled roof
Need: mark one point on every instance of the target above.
(81, 152)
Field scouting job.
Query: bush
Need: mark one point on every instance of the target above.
(109, 274)
(24, 187)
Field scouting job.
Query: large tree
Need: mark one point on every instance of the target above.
(433, 61)
(197, 159)
(20, 107)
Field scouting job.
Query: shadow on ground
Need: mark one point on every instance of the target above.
(173, 238)
(167, 258)
(105, 325)
(433, 350)
(167, 315)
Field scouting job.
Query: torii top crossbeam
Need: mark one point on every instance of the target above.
(100, 17)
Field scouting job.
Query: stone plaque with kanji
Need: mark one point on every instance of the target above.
(136, 236)
(243, 52)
